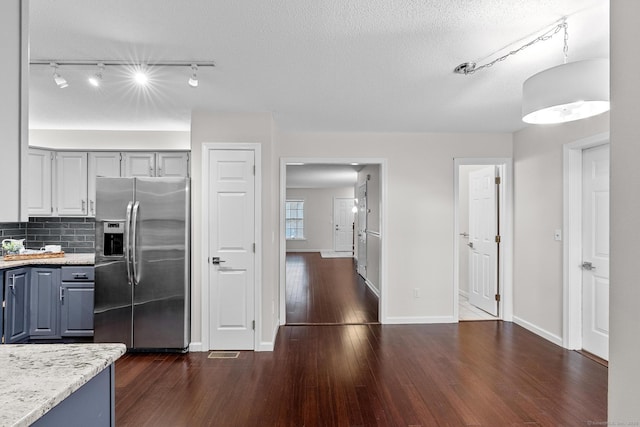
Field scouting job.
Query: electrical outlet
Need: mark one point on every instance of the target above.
(557, 236)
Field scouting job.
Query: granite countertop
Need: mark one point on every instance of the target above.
(36, 377)
(67, 259)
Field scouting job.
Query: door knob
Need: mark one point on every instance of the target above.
(470, 244)
(587, 266)
(216, 260)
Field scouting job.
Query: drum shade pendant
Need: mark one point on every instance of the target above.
(568, 92)
(571, 91)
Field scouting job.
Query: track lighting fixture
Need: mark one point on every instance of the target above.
(140, 74)
(96, 79)
(193, 80)
(60, 81)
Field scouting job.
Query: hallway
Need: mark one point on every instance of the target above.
(327, 291)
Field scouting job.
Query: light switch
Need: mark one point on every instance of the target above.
(557, 235)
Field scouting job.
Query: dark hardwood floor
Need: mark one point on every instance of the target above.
(333, 365)
(327, 291)
(467, 374)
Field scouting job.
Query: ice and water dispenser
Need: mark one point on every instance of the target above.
(113, 238)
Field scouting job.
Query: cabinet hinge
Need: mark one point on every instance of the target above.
(497, 239)
(253, 325)
(498, 180)
(498, 297)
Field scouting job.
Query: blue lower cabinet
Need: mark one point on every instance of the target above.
(16, 312)
(45, 303)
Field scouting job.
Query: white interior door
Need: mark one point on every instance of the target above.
(231, 249)
(342, 225)
(595, 251)
(362, 230)
(483, 249)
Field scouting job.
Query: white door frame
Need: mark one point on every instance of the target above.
(505, 273)
(572, 248)
(382, 163)
(257, 149)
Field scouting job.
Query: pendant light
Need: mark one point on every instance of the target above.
(567, 92)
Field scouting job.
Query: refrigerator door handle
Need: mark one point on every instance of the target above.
(134, 246)
(127, 242)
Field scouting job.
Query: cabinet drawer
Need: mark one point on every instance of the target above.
(78, 274)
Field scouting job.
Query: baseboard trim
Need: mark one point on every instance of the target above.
(463, 293)
(196, 346)
(308, 250)
(538, 331)
(373, 288)
(270, 345)
(419, 320)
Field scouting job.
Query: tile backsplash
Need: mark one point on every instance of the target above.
(75, 235)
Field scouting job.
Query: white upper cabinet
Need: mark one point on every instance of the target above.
(39, 185)
(139, 164)
(166, 163)
(172, 164)
(71, 183)
(106, 164)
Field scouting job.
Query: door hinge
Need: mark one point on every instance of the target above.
(498, 297)
(254, 248)
(208, 260)
(498, 239)
(254, 170)
(253, 325)
(498, 180)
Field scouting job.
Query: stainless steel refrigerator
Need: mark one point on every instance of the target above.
(142, 263)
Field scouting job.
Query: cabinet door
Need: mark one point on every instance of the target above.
(16, 321)
(139, 164)
(77, 309)
(172, 164)
(100, 164)
(39, 181)
(71, 183)
(45, 303)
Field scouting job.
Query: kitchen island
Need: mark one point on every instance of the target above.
(57, 384)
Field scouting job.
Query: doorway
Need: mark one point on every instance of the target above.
(483, 239)
(586, 248)
(299, 259)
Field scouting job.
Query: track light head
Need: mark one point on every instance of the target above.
(60, 81)
(96, 79)
(193, 80)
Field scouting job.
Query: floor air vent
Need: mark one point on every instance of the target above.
(224, 354)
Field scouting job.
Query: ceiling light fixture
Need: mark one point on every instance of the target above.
(60, 81)
(193, 80)
(96, 79)
(567, 92)
(140, 74)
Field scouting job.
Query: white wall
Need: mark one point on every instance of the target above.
(624, 343)
(420, 211)
(238, 128)
(13, 112)
(463, 226)
(318, 217)
(538, 206)
(109, 139)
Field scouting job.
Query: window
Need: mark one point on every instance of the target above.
(294, 219)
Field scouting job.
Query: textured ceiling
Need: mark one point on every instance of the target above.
(330, 65)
